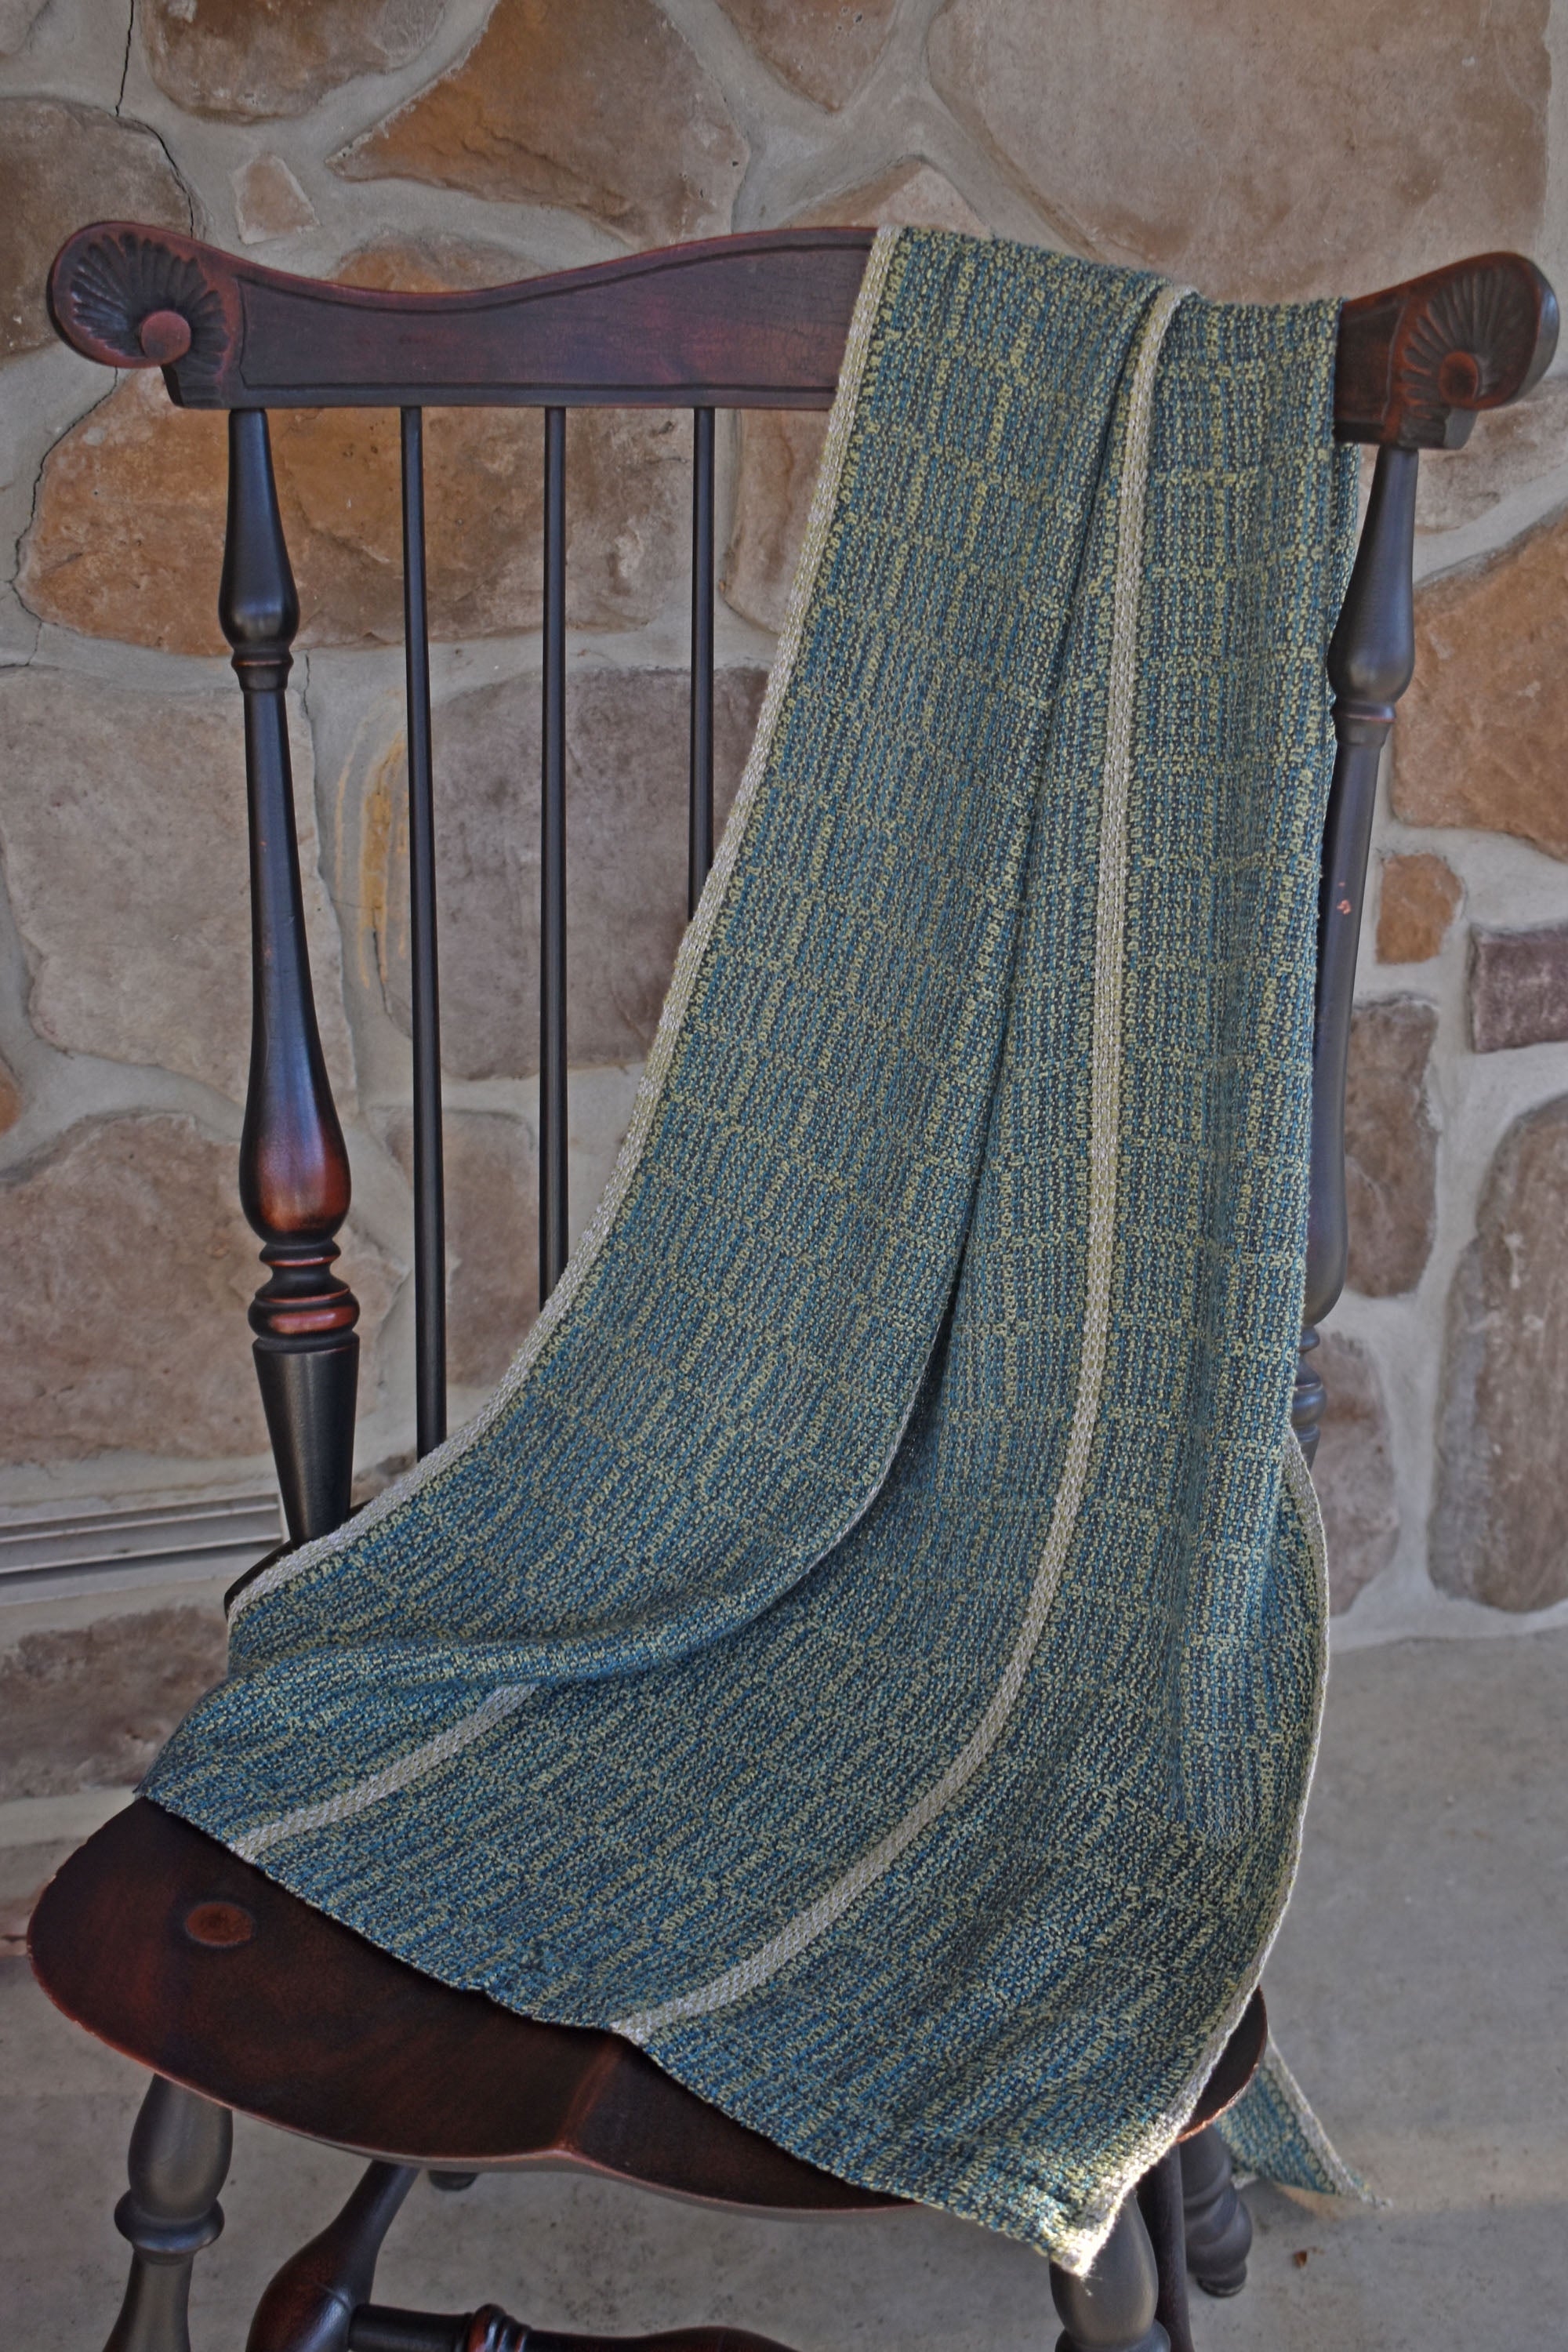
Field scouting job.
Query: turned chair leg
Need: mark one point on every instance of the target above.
(1113, 2308)
(180, 2149)
(310, 2304)
(1160, 2202)
(1219, 2227)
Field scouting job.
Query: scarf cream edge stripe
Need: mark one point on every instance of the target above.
(1105, 1104)
(687, 964)
(1089, 2229)
(401, 1773)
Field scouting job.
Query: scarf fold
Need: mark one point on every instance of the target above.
(871, 1649)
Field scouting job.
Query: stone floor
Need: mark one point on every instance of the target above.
(1420, 1989)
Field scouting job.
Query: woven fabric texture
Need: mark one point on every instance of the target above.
(871, 1648)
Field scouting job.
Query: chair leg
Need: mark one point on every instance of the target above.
(310, 2304)
(1113, 2307)
(180, 2149)
(1219, 2227)
(1160, 2202)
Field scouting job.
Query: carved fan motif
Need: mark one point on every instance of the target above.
(110, 282)
(1469, 343)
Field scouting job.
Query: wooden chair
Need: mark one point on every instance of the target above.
(161, 1942)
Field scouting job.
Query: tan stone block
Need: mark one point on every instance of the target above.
(435, 263)
(627, 746)
(127, 541)
(61, 166)
(1262, 154)
(596, 105)
(269, 199)
(243, 63)
(912, 194)
(1390, 1147)
(1508, 451)
(1418, 897)
(125, 1271)
(1499, 1526)
(1480, 736)
(779, 453)
(10, 1099)
(127, 533)
(89, 1707)
(491, 1185)
(123, 831)
(1354, 1473)
(825, 48)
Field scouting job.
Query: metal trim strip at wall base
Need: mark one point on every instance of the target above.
(47, 1556)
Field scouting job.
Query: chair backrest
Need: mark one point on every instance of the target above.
(744, 322)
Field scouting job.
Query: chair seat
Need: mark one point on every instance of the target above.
(172, 1949)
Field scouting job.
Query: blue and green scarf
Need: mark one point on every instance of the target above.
(870, 1650)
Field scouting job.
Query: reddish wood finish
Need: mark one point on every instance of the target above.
(750, 321)
(307, 2026)
(1418, 361)
(740, 322)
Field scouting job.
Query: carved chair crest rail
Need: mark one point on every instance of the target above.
(165, 1944)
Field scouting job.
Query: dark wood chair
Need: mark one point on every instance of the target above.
(167, 1947)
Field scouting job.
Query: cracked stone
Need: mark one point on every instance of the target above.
(1478, 741)
(824, 48)
(127, 542)
(61, 164)
(10, 1100)
(1418, 897)
(125, 1271)
(243, 62)
(89, 1707)
(491, 1186)
(1500, 1525)
(269, 200)
(1519, 988)
(596, 105)
(626, 755)
(1177, 138)
(1390, 1147)
(123, 832)
(1354, 1473)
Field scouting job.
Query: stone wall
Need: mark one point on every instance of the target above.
(430, 143)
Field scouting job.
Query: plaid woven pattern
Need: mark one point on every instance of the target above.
(871, 1648)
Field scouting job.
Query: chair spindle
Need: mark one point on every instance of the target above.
(429, 1201)
(293, 1166)
(1370, 657)
(700, 828)
(552, 873)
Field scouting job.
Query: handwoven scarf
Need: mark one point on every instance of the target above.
(870, 1650)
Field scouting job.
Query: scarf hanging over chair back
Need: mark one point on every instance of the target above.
(870, 1650)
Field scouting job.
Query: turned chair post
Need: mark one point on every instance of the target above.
(179, 2158)
(293, 1166)
(1114, 2306)
(1370, 657)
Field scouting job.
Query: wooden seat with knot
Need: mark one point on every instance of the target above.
(233, 1992)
